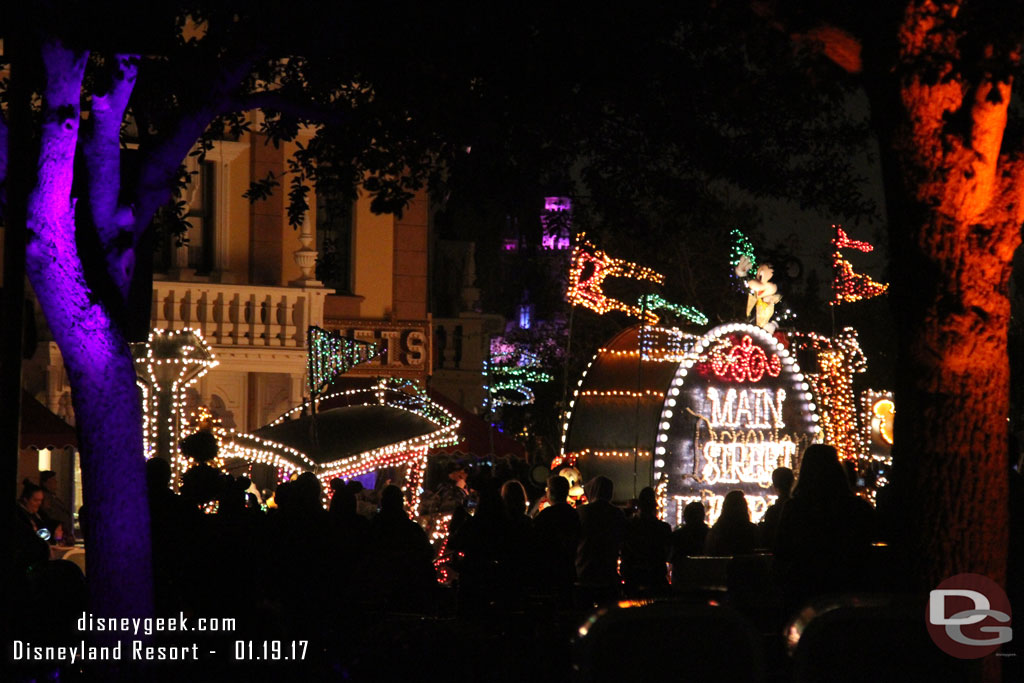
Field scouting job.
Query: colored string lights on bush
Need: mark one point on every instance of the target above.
(508, 371)
(588, 271)
(654, 302)
(331, 355)
(847, 285)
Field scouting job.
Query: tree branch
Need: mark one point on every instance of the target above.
(1010, 197)
(988, 123)
(163, 155)
(102, 151)
(838, 45)
(273, 100)
(4, 164)
(50, 207)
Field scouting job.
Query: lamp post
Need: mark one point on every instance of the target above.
(167, 364)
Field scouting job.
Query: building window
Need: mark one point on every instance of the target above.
(197, 250)
(202, 219)
(334, 242)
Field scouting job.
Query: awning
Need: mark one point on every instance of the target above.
(476, 435)
(42, 429)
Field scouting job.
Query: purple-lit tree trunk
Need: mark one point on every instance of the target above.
(96, 355)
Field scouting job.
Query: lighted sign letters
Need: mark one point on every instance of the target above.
(735, 411)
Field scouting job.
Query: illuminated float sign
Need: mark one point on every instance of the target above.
(405, 346)
(733, 413)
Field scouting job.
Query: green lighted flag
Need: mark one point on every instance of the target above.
(741, 246)
(331, 355)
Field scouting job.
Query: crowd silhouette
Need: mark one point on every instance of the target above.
(302, 568)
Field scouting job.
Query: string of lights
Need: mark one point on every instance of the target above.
(741, 246)
(586, 290)
(878, 411)
(507, 372)
(166, 364)
(847, 285)
(331, 354)
(742, 362)
(654, 302)
(743, 441)
(838, 359)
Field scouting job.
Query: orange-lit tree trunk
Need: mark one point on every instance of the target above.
(954, 206)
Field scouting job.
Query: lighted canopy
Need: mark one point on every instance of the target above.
(389, 425)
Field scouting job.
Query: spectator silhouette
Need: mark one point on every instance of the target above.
(399, 573)
(688, 540)
(175, 530)
(483, 544)
(521, 542)
(645, 548)
(298, 555)
(602, 529)
(558, 533)
(201, 483)
(348, 523)
(733, 533)
(520, 526)
(782, 482)
(824, 533)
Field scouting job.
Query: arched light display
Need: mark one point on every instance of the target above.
(736, 410)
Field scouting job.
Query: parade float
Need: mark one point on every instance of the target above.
(698, 412)
(383, 428)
